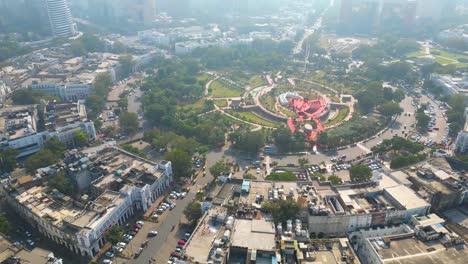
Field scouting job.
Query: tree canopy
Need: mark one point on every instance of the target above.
(51, 153)
(193, 211)
(360, 173)
(8, 160)
(114, 234)
(128, 122)
(282, 210)
(181, 162)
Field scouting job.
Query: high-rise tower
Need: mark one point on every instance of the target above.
(60, 18)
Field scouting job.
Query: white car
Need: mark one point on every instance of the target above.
(140, 223)
(183, 194)
(152, 233)
(107, 261)
(121, 244)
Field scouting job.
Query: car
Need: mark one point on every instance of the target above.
(133, 233)
(155, 217)
(141, 223)
(122, 244)
(30, 242)
(107, 261)
(258, 170)
(172, 196)
(173, 205)
(117, 249)
(160, 211)
(181, 242)
(152, 233)
(27, 233)
(183, 194)
(110, 254)
(137, 226)
(178, 250)
(175, 254)
(138, 252)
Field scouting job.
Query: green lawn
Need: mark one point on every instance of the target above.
(219, 89)
(204, 77)
(342, 114)
(462, 65)
(443, 61)
(449, 55)
(256, 81)
(253, 118)
(415, 54)
(221, 103)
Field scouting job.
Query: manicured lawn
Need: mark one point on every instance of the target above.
(221, 103)
(462, 65)
(256, 81)
(204, 77)
(342, 114)
(219, 89)
(449, 55)
(198, 105)
(443, 61)
(251, 117)
(415, 54)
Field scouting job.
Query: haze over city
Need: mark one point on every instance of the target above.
(234, 131)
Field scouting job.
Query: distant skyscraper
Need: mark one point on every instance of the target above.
(60, 18)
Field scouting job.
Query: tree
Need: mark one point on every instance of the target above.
(5, 226)
(51, 153)
(80, 139)
(335, 180)
(282, 210)
(128, 122)
(303, 162)
(62, 183)
(281, 176)
(360, 173)
(181, 162)
(322, 139)
(422, 120)
(248, 141)
(390, 109)
(219, 168)
(114, 234)
(193, 211)
(126, 64)
(8, 160)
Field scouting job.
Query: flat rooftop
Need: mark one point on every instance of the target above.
(17, 121)
(410, 250)
(253, 234)
(200, 244)
(406, 197)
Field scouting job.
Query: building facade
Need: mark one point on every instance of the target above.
(60, 18)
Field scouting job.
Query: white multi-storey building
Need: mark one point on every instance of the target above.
(60, 18)
(122, 182)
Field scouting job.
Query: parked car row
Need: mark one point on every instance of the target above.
(120, 246)
(177, 253)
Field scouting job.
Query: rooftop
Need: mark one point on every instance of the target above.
(17, 121)
(63, 114)
(260, 234)
(200, 245)
(411, 250)
(406, 197)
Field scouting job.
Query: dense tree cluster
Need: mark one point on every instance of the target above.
(220, 168)
(261, 55)
(10, 49)
(87, 43)
(62, 183)
(282, 210)
(181, 162)
(8, 160)
(247, 141)
(286, 141)
(399, 144)
(30, 96)
(97, 100)
(455, 113)
(406, 160)
(128, 122)
(374, 94)
(360, 173)
(51, 153)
